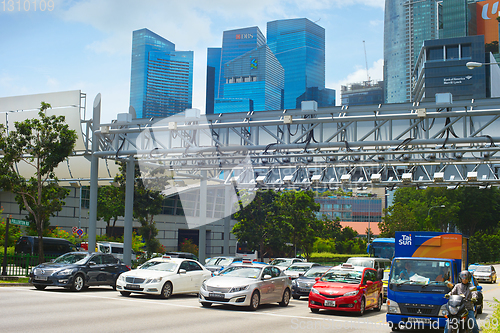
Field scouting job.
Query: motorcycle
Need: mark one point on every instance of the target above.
(457, 315)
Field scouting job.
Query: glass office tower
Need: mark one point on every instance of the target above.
(255, 79)
(299, 45)
(407, 25)
(213, 71)
(161, 82)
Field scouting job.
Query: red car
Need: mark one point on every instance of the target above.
(347, 288)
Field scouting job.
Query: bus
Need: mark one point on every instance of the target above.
(381, 248)
(242, 251)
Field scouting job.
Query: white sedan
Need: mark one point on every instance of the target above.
(164, 276)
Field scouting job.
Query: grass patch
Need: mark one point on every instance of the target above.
(491, 325)
(20, 280)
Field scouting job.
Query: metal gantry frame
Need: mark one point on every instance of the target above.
(413, 144)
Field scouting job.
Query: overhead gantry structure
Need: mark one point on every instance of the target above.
(426, 144)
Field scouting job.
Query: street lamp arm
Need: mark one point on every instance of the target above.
(474, 64)
(429, 211)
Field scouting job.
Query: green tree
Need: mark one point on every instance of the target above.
(110, 205)
(14, 232)
(257, 224)
(41, 143)
(297, 210)
(479, 210)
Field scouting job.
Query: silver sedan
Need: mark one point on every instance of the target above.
(247, 284)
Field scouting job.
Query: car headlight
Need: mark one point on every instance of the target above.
(204, 286)
(314, 290)
(67, 271)
(294, 283)
(392, 307)
(154, 280)
(236, 289)
(351, 293)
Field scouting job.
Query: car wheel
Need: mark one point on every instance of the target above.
(254, 301)
(166, 291)
(78, 283)
(313, 310)
(206, 304)
(39, 286)
(286, 298)
(295, 297)
(379, 304)
(125, 293)
(362, 307)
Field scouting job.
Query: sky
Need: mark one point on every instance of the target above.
(86, 44)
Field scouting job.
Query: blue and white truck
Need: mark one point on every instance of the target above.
(425, 267)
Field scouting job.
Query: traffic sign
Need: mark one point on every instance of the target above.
(74, 229)
(79, 232)
(19, 222)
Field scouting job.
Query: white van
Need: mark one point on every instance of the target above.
(114, 248)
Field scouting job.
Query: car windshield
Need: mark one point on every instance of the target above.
(315, 272)
(212, 261)
(281, 262)
(342, 275)
(242, 271)
(298, 268)
(72, 258)
(360, 262)
(420, 272)
(386, 276)
(159, 266)
(483, 269)
(225, 262)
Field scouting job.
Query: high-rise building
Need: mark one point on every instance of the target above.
(407, 24)
(441, 69)
(256, 79)
(213, 71)
(299, 45)
(366, 93)
(161, 82)
(234, 44)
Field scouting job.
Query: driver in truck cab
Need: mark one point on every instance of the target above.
(463, 288)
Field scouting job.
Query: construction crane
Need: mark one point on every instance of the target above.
(366, 63)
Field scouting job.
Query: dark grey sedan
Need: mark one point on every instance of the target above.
(303, 284)
(78, 270)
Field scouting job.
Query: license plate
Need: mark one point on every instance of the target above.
(41, 278)
(133, 286)
(330, 303)
(419, 320)
(216, 295)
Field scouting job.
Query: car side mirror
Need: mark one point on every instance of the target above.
(317, 278)
(267, 277)
(380, 274)
(369, 283)
(182, 271)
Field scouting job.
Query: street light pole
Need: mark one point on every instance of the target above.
(429, 211)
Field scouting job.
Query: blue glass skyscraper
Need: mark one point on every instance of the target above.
(253, 81)
(299, 45)
(161, 82)
(407, 25)
(213, 71)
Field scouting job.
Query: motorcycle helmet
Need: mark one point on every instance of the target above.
(465, 276)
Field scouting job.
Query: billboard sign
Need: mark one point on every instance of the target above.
(486, 16)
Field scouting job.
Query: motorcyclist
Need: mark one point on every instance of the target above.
(463, 289)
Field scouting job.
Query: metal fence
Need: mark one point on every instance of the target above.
(21, 264)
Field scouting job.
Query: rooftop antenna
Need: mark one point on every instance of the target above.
(366, 63)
